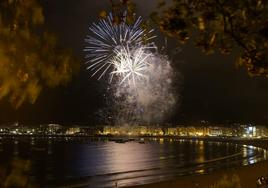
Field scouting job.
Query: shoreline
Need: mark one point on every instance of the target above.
(207, 180)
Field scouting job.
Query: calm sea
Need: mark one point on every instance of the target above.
(80, 162)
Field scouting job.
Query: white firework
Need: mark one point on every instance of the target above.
(108, 38)
(131, 65)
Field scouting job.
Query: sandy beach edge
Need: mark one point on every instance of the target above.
(247, 174)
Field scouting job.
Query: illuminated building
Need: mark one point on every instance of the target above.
(73, 130)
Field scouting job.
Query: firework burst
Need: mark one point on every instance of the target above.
(131, 65)
(110, 41)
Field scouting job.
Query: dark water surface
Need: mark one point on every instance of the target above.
(79, 162)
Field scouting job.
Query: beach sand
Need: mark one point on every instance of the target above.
(247, 174)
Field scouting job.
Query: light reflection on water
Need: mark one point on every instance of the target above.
(100, 163)
(126, 157)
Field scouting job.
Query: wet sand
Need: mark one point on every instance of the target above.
(247, 174)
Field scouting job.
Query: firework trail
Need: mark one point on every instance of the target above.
(108, 42)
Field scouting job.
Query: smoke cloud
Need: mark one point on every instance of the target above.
(149, 100)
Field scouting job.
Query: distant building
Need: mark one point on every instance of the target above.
(72, 130)
(215, 131)
(53, 128)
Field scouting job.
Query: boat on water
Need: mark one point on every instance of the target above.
(141, 141)
(121, 140)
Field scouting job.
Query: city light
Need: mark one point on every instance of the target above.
(242, 131)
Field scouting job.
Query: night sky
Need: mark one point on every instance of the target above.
(212, 87)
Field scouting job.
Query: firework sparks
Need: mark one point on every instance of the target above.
(110, 42)
(131, 65)
(143, 87)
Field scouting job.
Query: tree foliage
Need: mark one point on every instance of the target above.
(30, 58)
(119, 7)
(219, 26)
